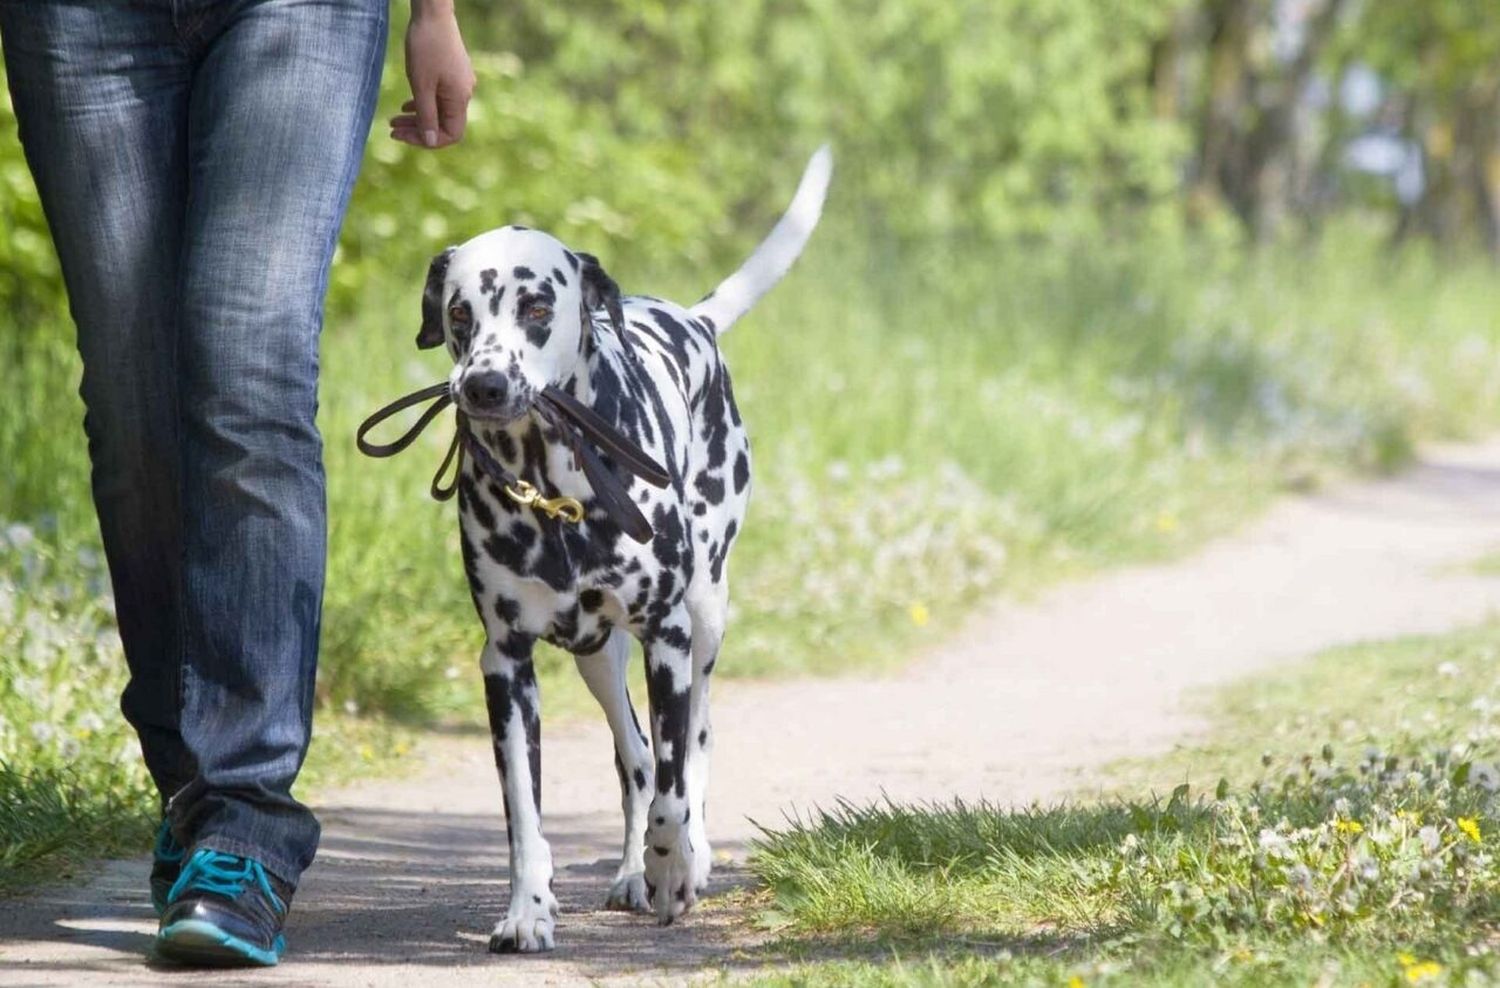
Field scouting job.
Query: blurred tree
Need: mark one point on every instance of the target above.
(1443, 58)
(669, 132)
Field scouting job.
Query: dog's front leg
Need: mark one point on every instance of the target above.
(511, 695)
(670, 854)
(604, 672)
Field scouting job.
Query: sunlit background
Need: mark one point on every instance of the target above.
(1095, 280)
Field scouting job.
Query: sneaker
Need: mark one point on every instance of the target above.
(166, 865)
(223, 911)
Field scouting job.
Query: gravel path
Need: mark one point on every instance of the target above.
(1016, 706)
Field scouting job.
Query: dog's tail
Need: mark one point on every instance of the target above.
(773, 258)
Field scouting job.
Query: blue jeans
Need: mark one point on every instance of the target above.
(194, 159)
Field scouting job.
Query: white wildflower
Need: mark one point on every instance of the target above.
(19, 536)
(1448, 669)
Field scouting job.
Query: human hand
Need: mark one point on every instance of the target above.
(442, 80)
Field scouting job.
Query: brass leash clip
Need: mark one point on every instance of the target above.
(569, 509)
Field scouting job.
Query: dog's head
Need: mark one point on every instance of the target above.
(512, 306)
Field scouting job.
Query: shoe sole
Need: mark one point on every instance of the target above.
(200, 944)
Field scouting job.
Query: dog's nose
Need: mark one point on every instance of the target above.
(485, 390)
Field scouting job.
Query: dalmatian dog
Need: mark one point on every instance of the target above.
(518, 311)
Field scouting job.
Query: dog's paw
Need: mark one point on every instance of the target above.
(628, 894)
(528, 927)
(670, 867)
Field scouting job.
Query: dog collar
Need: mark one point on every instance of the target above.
(583, 428)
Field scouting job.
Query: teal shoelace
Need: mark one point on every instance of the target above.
(167, 848)
(223, 874)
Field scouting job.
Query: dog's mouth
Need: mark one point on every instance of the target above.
(493, 416)
(502, 412)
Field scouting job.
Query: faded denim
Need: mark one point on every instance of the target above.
(195, 158)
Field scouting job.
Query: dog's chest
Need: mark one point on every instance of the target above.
(566, 584)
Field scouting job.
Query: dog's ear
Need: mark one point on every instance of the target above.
(431, 333)
(599, 289)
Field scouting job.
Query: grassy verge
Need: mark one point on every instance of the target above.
(933, 424)
(72, 785)
(1336, 829)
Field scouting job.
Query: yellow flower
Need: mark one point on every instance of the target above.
(1166, 522)
(1424, 971)
(1405, 959)
(1350, 827)
(919, 614)
(1075, 982)
(1470, 826)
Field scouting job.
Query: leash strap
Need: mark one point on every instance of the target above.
(578, 423)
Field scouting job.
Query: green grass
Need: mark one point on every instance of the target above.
(1339, 827)
(933, 425)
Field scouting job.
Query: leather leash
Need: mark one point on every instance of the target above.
(584, 429)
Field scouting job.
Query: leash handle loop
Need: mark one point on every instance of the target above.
(443, 399)
(455, 452)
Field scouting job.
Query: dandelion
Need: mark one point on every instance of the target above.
(351, 707)
(1470, 826)
(919, 614)
(1166, 523)
(1349, 827)
(1423, 971)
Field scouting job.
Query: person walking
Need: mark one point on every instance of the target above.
(194, 159)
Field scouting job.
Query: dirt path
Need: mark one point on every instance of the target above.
(410, 877)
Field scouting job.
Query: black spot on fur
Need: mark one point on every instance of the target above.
(523, 273)
(558, 277)
(640, 779)
(711, 487)
(591, 600)
(741, 471)
(510, 550)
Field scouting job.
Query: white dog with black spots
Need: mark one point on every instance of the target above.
(518, 311)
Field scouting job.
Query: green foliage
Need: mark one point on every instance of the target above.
(668, 132)
(1379, 868)
(30, 283)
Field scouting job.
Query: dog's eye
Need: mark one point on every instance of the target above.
(538, 312)
(458, 315)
